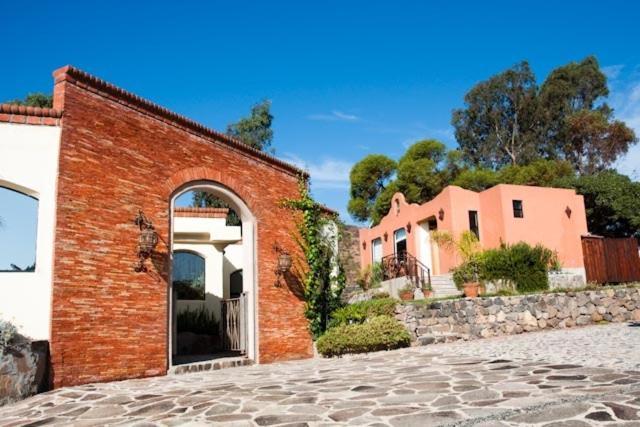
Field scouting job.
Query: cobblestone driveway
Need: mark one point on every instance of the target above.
(576, 377)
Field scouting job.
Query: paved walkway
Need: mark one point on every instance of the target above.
(576, 377)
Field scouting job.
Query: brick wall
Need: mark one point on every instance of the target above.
(109, 322)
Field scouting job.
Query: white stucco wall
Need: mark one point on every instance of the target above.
(29, 163)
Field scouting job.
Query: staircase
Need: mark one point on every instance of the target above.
(443, 286)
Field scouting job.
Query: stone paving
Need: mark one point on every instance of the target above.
(578, 377)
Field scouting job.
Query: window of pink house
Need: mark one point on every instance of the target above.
(518, 211)
(473, 223)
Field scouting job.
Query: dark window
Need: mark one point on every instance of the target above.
(18, 231)
(517, 209)
(188, 275)
(473, 223)
(235, 285)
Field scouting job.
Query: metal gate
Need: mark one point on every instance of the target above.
(234, 324)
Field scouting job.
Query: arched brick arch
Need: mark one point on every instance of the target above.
(185, 176)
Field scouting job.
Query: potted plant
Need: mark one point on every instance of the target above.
(465, 276)
(406, 292)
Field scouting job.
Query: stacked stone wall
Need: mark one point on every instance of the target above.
(494, 316)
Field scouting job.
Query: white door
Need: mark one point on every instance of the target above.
(424, 237)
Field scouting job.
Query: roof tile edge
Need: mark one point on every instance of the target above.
(73, 75)
(23, 110)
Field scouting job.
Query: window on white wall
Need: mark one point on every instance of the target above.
(18, 231)
(376, 250)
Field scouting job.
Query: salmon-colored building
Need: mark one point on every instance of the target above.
(553, 217)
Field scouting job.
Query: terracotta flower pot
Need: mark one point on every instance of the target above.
(471, 290)
(428, 293)
(406, 295)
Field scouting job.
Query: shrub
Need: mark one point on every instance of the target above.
(8, 332)
(371, 276)
(198, 321)
(521, 265)
(361, 311)
(379, 333)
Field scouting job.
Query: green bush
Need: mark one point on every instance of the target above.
(198, 321)
(520, 265)
(361, 311)
(378, 333)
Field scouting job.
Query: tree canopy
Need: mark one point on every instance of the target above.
(255, 130)
(369, 178)
(496, 127)
(612, 202)
(35, 99)
(507, 119)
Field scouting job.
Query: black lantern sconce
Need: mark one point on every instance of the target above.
(441, 214)
(408, 227)
(386, 236)
(284, 265)
(364, 245)
(147, 240)
(568, 212)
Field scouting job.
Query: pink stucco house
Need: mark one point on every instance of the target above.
(553, 217)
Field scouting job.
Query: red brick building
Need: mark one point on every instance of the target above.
(118, 155)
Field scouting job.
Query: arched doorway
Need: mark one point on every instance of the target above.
(210, 242)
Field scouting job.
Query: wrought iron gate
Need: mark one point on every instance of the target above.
(234, 324)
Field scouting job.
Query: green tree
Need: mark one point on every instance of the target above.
(478, 179)
(420, 177)
(612, 202)
(541, 173)
(574, 121)
(369, 177)
(202, 199)
(35, 99)
(497, 125)
(255, 130)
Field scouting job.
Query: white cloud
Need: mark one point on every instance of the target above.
(625, 99)
(328, 173)
(612, 71)
(334, 116)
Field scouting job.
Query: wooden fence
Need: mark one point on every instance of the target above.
(611, 260)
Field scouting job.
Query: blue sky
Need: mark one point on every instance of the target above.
(346, 78)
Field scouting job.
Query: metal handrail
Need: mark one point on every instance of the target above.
(404, 264)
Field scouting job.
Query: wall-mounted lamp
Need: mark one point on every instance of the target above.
(408, 227)
(568, 212)
(284, 264)
(441, 214)
(386, 236)
(364, 245)
(147, 240)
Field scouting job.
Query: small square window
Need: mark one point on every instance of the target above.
(517, 209)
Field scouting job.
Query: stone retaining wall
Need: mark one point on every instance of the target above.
(23, 371)
(468, 319)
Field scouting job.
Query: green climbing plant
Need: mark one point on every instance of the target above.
(323, 279)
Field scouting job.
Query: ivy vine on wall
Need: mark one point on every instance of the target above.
(323, 279)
